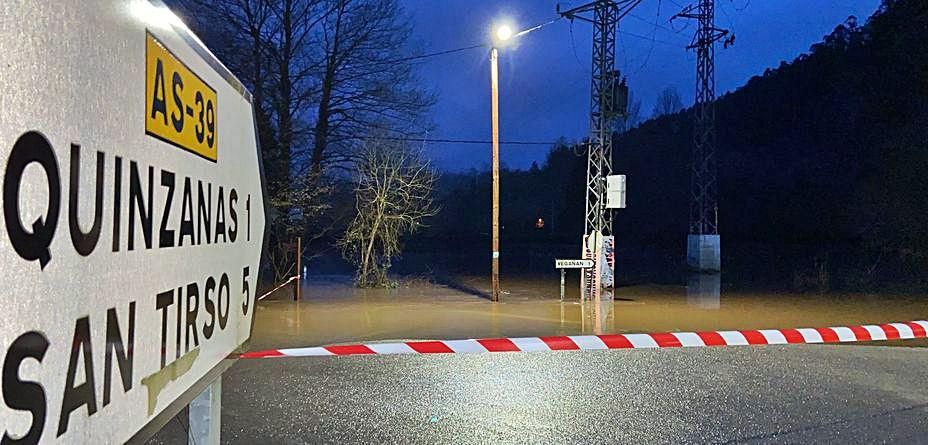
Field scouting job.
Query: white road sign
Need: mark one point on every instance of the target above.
(132, 221)
(573, 264)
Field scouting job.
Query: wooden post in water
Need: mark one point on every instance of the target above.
(299, 270)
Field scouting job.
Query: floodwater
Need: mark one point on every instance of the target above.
(333, 311)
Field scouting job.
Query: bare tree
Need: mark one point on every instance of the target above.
(365, 79)
(246, 34)
(269, 45)
(321, 72)
(393, 195)
(668, 102)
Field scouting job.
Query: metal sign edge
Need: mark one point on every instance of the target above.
(161, 419)
(198, 47)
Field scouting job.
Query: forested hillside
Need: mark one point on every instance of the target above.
(830, 149)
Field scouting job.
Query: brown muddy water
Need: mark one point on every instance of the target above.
(333, 311)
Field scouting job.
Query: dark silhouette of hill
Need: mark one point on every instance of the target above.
(830, 147)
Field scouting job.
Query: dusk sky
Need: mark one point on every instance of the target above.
(545, 75)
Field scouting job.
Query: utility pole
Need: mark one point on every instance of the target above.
(703, 251)
(604, 15)
(494, 112)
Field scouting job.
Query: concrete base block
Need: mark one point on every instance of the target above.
(704, 253)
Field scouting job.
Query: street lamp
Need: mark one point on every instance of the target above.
(501, 35)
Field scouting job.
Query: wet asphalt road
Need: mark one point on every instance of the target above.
(831, 394)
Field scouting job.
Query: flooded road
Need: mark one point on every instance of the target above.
(332, 311)
(638, 396)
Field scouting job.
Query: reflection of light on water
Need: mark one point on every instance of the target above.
(704, 291)
(597, 318)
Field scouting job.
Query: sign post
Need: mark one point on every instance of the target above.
(203, 415)
(563, 265)
(133, 220)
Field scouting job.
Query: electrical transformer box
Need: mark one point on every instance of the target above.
(615, 192)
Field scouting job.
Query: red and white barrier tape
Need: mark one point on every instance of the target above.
(890, 331)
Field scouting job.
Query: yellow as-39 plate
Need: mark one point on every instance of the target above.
(180, 108)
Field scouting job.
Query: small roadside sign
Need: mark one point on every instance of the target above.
(133, 219)
(573, 264)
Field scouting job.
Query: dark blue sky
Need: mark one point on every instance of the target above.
(545, 75)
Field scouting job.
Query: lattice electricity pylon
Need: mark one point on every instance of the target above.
(603, 111)
(704, 198)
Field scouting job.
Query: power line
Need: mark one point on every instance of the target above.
(746, 4)
(450, 141)
(484, 45)
(457, 50)
(439, 53)
(653, 33)
(424, 56)
(573, 45)
(731, 24)
(655, 24)
(639, 36)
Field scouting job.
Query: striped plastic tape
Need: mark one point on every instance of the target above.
(842, 334)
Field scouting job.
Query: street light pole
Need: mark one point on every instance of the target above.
(501, 35)
(494, 112)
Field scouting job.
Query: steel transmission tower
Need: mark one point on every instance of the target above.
(608, 97)
(703, 247)
(605, 18)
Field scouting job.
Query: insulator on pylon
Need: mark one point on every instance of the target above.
(620, 97)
